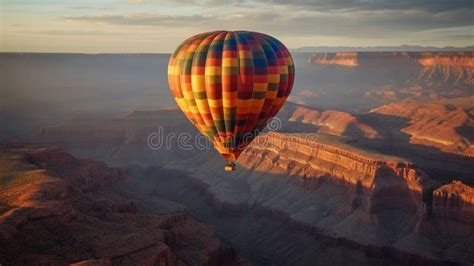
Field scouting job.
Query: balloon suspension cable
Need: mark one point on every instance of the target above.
(230, 166)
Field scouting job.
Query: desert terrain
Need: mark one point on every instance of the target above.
(370, 162)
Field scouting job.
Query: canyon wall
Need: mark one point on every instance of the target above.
(354, 59)
(373, 181)
(381, 181)
(330, 122)
(363, 60)
(319, 184)
(465, 59)
(342, 59)
(50, 214)
(455, 68)
(445, 124)
(450, 68)
(313, 181)
(454, 201)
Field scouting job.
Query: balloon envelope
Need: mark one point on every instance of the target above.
(229, 84)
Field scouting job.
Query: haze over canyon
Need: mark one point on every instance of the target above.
(370, 162)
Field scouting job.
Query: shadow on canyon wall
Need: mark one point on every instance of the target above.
(266, 236)
(442, 166)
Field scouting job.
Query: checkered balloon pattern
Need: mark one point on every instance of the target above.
(229, 84)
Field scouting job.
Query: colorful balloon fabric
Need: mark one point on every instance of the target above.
(229, 84)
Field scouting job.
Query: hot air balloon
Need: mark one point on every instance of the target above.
(229, 84)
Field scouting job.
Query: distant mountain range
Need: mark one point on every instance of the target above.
(401, 48)
(305, 49)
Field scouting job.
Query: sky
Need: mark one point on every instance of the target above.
(158, 26)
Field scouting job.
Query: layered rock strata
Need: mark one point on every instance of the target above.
(52, 213)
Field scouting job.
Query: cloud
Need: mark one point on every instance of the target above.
(89, 8)
(139, 19)
(348, 5)
(358, 24)
(303, 20)
(431, 6)
(159, 25)
(71, 32)
(136, 2)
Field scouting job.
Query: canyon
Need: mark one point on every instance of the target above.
(343, 59)
(445, 124)
(315, 182)
(353, 59)
(358, 81)
(370, 162)
(57, 210)
(454, 201)
(106, 85)
(320, 185)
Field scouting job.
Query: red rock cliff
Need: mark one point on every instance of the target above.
(455, 68)
(465, 59)
(46, 217)
(384, 181)
(342, 59)
(454, 201)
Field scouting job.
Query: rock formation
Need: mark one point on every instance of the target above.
(445, 124)
(53, 213)
(317, 183)
(330, 122)
(333, 194)
(446, 58)
(455, 68)
(343, 59)
(454, 201)
(354, 59)
(388, 182)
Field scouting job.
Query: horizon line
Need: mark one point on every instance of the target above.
(380, 48)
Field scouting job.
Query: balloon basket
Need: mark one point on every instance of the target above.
(229, 167)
